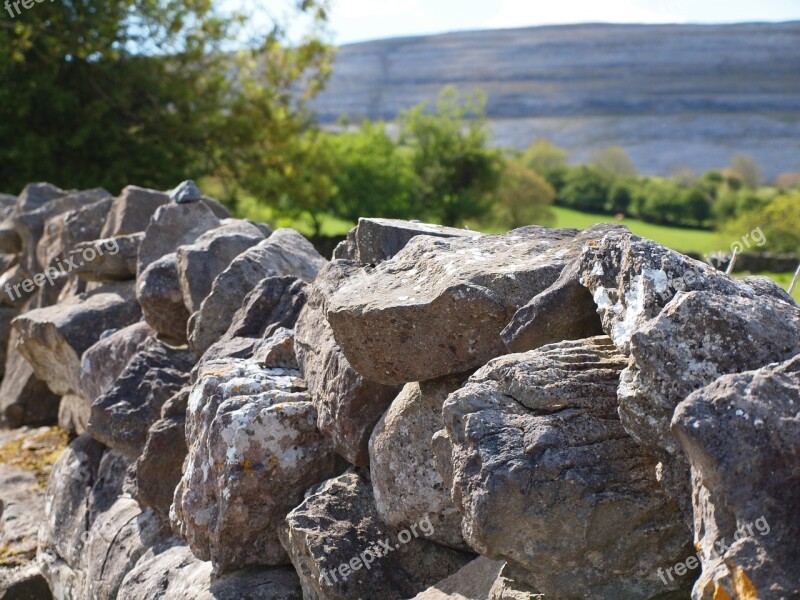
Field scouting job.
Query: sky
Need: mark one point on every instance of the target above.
(360, 20)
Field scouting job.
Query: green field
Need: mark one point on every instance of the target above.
(684, 240)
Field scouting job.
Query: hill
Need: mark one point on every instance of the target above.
(672, 95)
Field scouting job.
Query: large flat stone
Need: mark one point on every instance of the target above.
(439, 305)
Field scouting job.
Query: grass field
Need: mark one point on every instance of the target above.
(684, 240)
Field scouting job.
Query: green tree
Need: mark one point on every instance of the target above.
(147, 91)
(372, 175)
(523, 198)
(543, 156)
(696, 205)
(620, 197)
(779, 221)
(585, 188)
(456, 170)
(614, 160)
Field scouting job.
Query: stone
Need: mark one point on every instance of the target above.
(740, 434)
(115, 258)
(405, 482)
(439, 305)
(70, 503)
(117, 539)
(348, 404)
(24, 399)
(199, 263)
(12, 293)
(73, 414)
(277, 351)
(632, 279)
(30, 225)
(284, 253)
(53, 339)
(246, 426)
(7, 261)
(274, 303)
(121, 417)
(64, 231)
(698, 337)
(169, 571)
(173, 226)
(10, 243)
(472, 582)
(377, 240)
(36, 195)
(132, 210)
(158, 468)
(104, 361)
(24, 583)
(6, 316)
(564, 311)
(158, 290)
(511, 584)
(21, 511)
(337, 525)
(185, 192)
(545, 475)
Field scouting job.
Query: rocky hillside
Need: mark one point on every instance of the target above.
(433, 414)
(673, 95)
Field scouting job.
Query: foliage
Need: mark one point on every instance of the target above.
(545, 157)
(585, 188)
(779, 220)
(613, 160)
(372, 175)
(147, 91)
(456, 170)
(522, 198)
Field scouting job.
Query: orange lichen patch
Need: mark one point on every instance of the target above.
(720, 593)
(745, 590)
(247, 466)
(36, 451)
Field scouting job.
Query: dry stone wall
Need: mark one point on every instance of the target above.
(433, 413)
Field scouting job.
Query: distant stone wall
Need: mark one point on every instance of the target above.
(433, 413)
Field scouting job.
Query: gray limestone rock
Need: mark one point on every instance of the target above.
(131, 211)
(348, 404)
(158, 290)
(115, 258)
(54, 338)
(545, 475)
(284, 253)
(405, 482)
(741, 436)
(342, 550)
(439, 305)
(185, 192)
(121, 417)
(253, 450)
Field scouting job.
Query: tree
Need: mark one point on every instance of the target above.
(748, 169)
(455, 169)
(620, 197)
(778, 220)
(585, 188)
(371, 176)
(697, 206)
(523, 198)
(614, 161)
(543, 157)
(148, 91)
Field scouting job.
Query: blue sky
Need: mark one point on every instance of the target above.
(358, 20)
